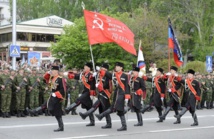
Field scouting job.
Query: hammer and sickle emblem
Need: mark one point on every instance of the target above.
(98, 23)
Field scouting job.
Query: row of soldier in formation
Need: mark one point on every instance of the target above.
(128, 90)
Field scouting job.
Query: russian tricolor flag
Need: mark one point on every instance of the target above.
(140, 60)
(173, 43)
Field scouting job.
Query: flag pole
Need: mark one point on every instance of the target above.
(138, 51)
(168, 59)
(92, 58)
(168, 47)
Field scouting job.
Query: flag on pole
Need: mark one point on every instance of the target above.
(104, 29)
(140, 60)
(141, 64)
(173, 43)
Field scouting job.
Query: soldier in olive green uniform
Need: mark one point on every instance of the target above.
(33, 90)
(20, 82)
(208, 84)
(13, 108)
(6, 92)
(202, 87)
(27, 74)
(211, 105)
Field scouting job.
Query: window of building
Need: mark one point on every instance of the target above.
(21, 36)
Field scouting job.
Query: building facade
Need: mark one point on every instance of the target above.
(5, 15)
(33, 35)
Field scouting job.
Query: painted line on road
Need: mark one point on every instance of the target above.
(181, 129)
(97, 122)
(83, 137)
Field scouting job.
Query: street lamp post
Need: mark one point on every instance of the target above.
(14, 32)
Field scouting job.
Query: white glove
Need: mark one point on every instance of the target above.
(91, 97)
(140, 74)
(169, 90)
(176, 74)
(65, 73)
(162, 99)
(94, 74)
(79, 95)
(97, 68)
(168, 73)
(53, 95)
(130, 72)
(126, 101)
(97, 84)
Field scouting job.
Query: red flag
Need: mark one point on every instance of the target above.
(104, 29)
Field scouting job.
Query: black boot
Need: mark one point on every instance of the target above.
(3, 114)
(73, 112)
(71, 107)
(35, 112)
(178, 121)
(46, 112)
(103, 114)
(194, 116)
(7, 114)
(18, 113)
(145, 109)
(22, 114)
(160, 114)
(139, 118)
(84, 115)
(165, 113)
(91, 117)
(208, 105)
(183, 111)
(60, 123)
(108, 122)
(123, 122)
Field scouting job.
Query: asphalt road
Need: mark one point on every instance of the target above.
(42, 127)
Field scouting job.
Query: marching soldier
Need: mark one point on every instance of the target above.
(104, 87)
(173, 86)
(192, 91)
(158, 94)
(137, 88)
(20, 83)
(64, 80)
(57, 89)
(6, 83)
(121, 96)
(87, 94)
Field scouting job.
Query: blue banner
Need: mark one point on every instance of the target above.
(34, 59)
(209, 63)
